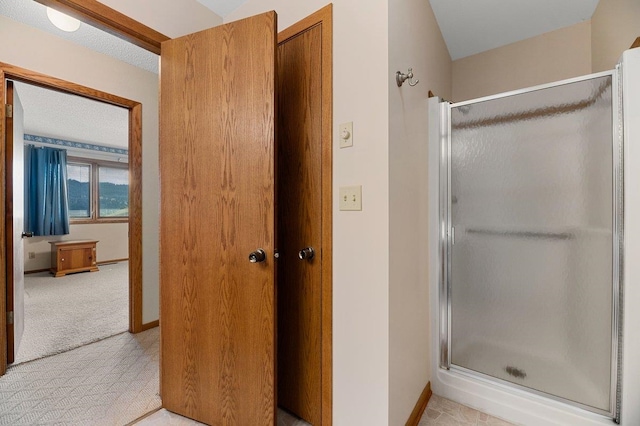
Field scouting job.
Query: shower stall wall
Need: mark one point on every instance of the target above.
(532, 241)
(527, 247)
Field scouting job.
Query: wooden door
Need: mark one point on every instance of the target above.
(14, 222)
(304, 187)
(217, 155)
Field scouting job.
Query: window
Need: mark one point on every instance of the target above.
(98, 191)
(78, 190)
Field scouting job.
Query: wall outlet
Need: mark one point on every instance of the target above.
(350, 197)
(32, 255)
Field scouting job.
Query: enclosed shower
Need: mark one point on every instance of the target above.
(529, 245)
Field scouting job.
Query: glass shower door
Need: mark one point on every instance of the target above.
(532, 252)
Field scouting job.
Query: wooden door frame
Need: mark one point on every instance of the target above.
(15, 73)
(96, 14)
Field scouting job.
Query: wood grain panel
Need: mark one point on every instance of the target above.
(217, 142)
(53, 83)
(421, 405)
(107, 19)
(9, 222)
(135, 219)
(636, 43)
(150, 325)
(305, 217)
(299, 223)
(3, 249)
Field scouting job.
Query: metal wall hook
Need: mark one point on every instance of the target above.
(402, 77)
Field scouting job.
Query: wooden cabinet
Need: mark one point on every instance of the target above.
(73, 256)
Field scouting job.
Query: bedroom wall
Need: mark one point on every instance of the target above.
(113, 243)
(42, 52)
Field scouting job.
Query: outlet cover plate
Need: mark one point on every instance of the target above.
(350, 198)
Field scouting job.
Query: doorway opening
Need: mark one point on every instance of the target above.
(69, 311)
(134, 110)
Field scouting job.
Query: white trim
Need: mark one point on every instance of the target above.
(630, 409)
(534, 88)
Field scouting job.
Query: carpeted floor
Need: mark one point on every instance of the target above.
(111, 382)
(68, 312)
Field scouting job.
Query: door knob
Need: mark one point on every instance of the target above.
(257, 256)
(306, 253)
(27, 234)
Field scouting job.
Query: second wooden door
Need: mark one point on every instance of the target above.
(304, 218)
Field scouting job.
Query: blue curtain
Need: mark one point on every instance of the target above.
(46, 200)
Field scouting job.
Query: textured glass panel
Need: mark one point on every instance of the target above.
(531, 267)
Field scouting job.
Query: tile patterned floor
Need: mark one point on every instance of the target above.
(110, 382)
(442, 411)
(167, 418)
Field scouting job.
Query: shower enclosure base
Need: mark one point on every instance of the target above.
(551, 377)
(510, 403)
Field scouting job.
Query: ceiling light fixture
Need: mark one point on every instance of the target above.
(62, 21)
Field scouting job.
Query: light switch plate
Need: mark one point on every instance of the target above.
(350, 198)
(345, 134)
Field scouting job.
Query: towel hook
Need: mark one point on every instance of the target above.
(402, 77)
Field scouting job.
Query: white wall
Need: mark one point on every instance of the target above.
(42, 52)
(360, 239)
(414, 41)
(615, 24)
(549, 57)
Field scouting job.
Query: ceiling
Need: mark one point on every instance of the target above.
(74, 118)
(471, 27)
(35, 15)
(468, 27)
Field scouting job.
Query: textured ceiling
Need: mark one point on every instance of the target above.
(471, 27)
(62, 116)
(35, 15)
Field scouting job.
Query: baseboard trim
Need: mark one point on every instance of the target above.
(35, 271)
(421, 405)
(144, 416)
(150, 325)
(102, 262)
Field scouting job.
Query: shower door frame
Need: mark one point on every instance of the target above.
(447, 239)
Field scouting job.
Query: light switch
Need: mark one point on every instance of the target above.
(345, 133)
(350, 197)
